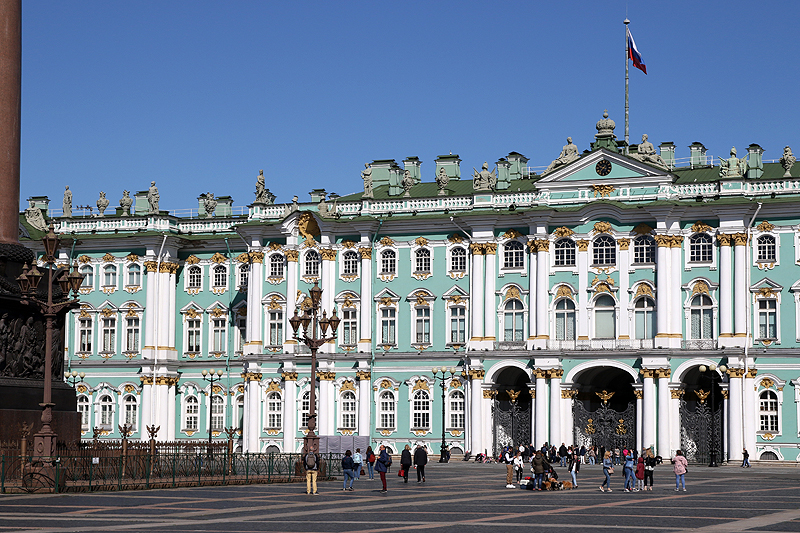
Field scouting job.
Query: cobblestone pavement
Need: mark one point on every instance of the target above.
(456, 497)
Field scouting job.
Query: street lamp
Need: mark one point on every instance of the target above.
(435, 371)
(711, 372)
(73, 378)
(211, 376)
(44, 442)
(310, 321)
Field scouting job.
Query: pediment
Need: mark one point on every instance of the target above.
(767, 285)
(623, 170)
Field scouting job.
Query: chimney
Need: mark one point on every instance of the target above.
(668, 154)
(140, 204)
(697, 155)
(317, 195)
(755, 168)
(451, 165)
(503, 174)
(518, 169)
(413, 164)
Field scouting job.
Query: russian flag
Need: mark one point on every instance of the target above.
(634, 55)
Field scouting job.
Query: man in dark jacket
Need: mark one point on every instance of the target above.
(405, 462)
(382, 465)
(420, 460)
(539, 466)
(311, 461)
(562, 454)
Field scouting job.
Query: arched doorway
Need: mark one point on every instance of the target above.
(701, 415)
(511, 409)
(604, 410)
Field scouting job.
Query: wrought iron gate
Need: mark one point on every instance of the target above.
(605, 426)
(701, 432)
(512, 424)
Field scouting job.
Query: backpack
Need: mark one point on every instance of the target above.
(311, 460)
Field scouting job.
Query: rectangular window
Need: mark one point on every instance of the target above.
(109, 334)
(458, 325)
(241, 328)
(767, 319)
(193, 335)
(218, 327)
(349, 327)
(457, 411)
(132, 334)
(276, 328)
(604, 328)
(388, 325)
(349, 413)
(387, 413)
(217, 413)
(85, 327)
(192, 409)
(423, 325)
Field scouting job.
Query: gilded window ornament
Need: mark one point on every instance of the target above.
(274, 246)
(421, 241)
(643, 290)
(84, 259)
(192, 313)
(242, 311)
(564, 291)
(218, 312)
(108, 258)
(512, 292)
(767, 292)
(602, 190)
(455, 238)
(243, 258)
(275, 302)
(107, 312)
(386, 384)
(455, 299)
(643, 229)
(218, 258)
(192, 260)
(511, 234)
(700, 227)
(455, 383)
(563, 231)
(348, 385)
(420, 384)
(700, 288)
(273, 386)
(767, 383)
(132, 258)
(348, 244)
(386, 241)
(601, 227)
(386, 301)
(765, 226)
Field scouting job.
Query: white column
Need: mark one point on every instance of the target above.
(675, 315)
(567, 399)
(476, 294)
(251, 432)
(726, 451)
(150, 310)
(555, 406)
(648, 409)
(172, 314)
(532, 262)
(583, 295)
(740, 300)
(289, 345)
(725, 289)
(675, 417)
(147, 405)
(486, 410)
(624, 283)
(735, 412)
(532, 389)
(662, 291)
(364, 402)
(750, 413)
(255, 292)
(166, 412)
(171, 416)
(664, 426)
(289, 411)
(542, 295)
(541, 408)
(328, 291)
(477, 429)
(489, 306)
(325, 418)
(637, 390)
(365, 329)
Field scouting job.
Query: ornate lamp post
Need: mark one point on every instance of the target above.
(211, 376)
(44, 442)
(73, 378)
(310, 322)
(711, 372)
(436, 377)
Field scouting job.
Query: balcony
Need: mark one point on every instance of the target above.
(699, 344)
(601, 344)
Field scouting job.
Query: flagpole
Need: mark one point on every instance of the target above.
(627, 53)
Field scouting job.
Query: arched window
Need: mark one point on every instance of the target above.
(220, 276)
(644, 249)
(644, 313)
(311, 263)
(87, 271)
(700, 248)
(305, 405)
(564, 252)
(458, 259)
(131, 407)
(387, 410)
(134, 275)
(767, 318)
(347, 408)
(110, 276)
(766, 248)
(195, 277)
(565, 320)
(768, 411)
(217, 413)
(605, 318)
(276, 266)
(702, 313)
(421, 410)
(513, 255)
(191, 414)
(422, 260)
(513, 321)
(604, 251)
(274, 411)
(106, 405)
(457, 410)
(388, 262)
(244, 275)
(83, 409)
(350, 263)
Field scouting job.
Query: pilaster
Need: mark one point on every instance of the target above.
(367, 309)
(476, 376)
(532, 280)
(490, 311)
(624, 284)
(662, 291)
(364, 378)
(292, 272)
(583, 294)
(675, 314)
(542, 295)
(648, 407)
(541, 407)
(664, 440)
(255, 292)
(740, 299)
(251, 432)
(725, 291)
(555, 375)
(476, 295)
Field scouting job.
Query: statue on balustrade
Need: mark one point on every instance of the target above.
(484, 180)
(442, 179)
(153, 198)
(66, 205)
(102, 204)
(646, 153)
(733, 167)
(569, 153)
(209, 204)
(34, 217)
(366, 175)
(787, 161)
(125, 203)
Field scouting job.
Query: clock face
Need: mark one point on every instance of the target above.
(603, 167)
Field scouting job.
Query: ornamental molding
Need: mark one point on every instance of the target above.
(767, 383)
(638, 393)
(289, 376)
(676, 241)
(218, 258)
(363, 375)
(477, 248)
(739, 239)
(767, 436)
(217, 312)
(420, 384)
(700, 227)
(765, 226)
(476, 373)
(624, 243)
(490, 248)
(365, 253)
(643, 289)
(328, 254)
(489, 394)
(752, 373)
(564, 291)
(84, 259)
(569, 394)
(540, 373)
(702, 395)
(511, 234)
(455, 238)
(601, 227)
(386, 241)
(132, 257)
(348, 385)
(347, 244)
(192, 313)
(563, 231)
(767, 292)
(676, 394)
(542, 245)
(583, 245)
(643, 229)
(724, 239)
(602, 190)
(242, 311)
(251, 376)
(555, 373)
(724, 393)
(663, 241)
(701, 287)
(663, 373)
(512, 292)
(421, 241)
(107, 312)
(455, 383)
(292, 255)
(275, 246)
(192, 260)
(168, 268)
(108, 258)
(326, 376)
(736, 372)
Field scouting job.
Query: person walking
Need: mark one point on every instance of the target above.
(679, 465)
(608, 469)
(357, 460)
(382, 464)
(639, 474)
(538, 466)
(590, 455)
(420, 460)
(649, 466)
(627, 471)
(370, 463)
(405, 462)
(745, 458)
(508, 459)
(519, 464)
(574, 468)
(347, 470)
(563, 452)
(311, 462)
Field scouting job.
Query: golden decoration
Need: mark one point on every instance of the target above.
(700, 227)
(455, 299)
(603, 287)
(752, 373)
(169, 268)
(348, 385)
(542, 245)
(132, 257)
(767, 436)
(386, 384)
(477, 248)
(328, 254)
(326, 375)
(84, 259)
(146, 380)
(676, 241)
(569, 394)
(218, 258)
(766, 292)
(274, 246)
(242, 311)
(273, 386)
(647, 373)
(513, 394)
(476, 373)
(564, 291)
(702, 395)
(192, 260)
(765, 226)
(108, 258)
(243, 258)
(217, 312)
(421, 384)
(363, 375)
(107, 312)
(736, 372)
(347, 244)
(81, 388)
(583, 245)
(563, 231)
(192, 313)
(455, 383)
(366, 253)
(490, 248)
(289, 376)
(511, 234)
(724, 393)
(701, 287)
(455, 238)
(421, 301)
(767, 383)
(590, 429)
(724, 239)
(84, 314)
(348, 301)
(624, 243)
(663, 372)
(512, 292)
(621, 429)
(386, 241)
(251, 376)
(638, 393)
(605, 395)
(421, 241)
(602, 190)
(540, 373)
(292, 255)
(257, 257)
(489, 394)
(307, 226)
(643, 229)
(555, 373)
(643, 289)
(601, 227)
(739, 239)
(150, 266)
(676, 394)
(216, 389)
(386, 301)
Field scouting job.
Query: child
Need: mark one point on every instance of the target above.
(639, 475)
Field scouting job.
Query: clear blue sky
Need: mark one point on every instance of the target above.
(199, 95)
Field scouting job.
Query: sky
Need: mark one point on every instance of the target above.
(200, 95)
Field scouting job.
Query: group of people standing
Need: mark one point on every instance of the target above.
(637, 472)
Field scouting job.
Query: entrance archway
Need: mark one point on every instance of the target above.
(511, 409)
(701, 412)
(604, 410)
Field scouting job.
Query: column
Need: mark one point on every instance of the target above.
(675, 305)
(740, 300)
(540, 430)
(726, 451)
(663, 449)
(567, 420)
(532, 390)
(476, 376)
(164, 411)
(147, 411)
(648, 408)
(662, 291)
(150, 309)
(555, 375)
(172, 416)
(637, 391)
(367, 307)
(326, 420)
(251, 432)
(735, 413)
(725, 289)
(489, 305)
(532, 262)
(364, 402)
(289, 345)
(542, 295)
(328, 291)
(255, 292)
(10, 111)
(675, 395)
(750, 413)
(289, 410)
(583, 295)
(487, 397)
(624, 283)
(476, 294)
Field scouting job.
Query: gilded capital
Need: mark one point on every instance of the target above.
(542, 245)
(676, 393)
(568, 393)
(289, 376)
(663, 241)
(476, 373)
(151, 266)
(540, 373)
(752, 373)
(257, 257)
(363, 375)
(328, 254)
(724, 239)
(477, 248)
(676, 241)
(555, 373)
(489, 394)
(490, 248)
(647, 373)
(583, 245)
(168, 268)
(326, 376)
(736, 373)
(724, 393)
(624, 243)
(366, 253)
(251, 376)
(146, 380)
(638, 393)
(663, 373)
(739, 239)
(291, 255)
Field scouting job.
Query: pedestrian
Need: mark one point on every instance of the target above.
(382, 464)
(538, 466)
(639, 474)
(745, 459)
(574, 468)
(370, 463)
(679, 466)
(347, 470)
(508, 459)
(649, 466)
(519, 463)
(615, 456)
(562, 454)
(420, 460)
(405, 462)
(583, 455)
(627, 471)
(311, 462)
(608, 469)
(358, 460)
(590, 455)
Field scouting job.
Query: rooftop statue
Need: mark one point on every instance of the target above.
(569, 153)
(407, 182)
(295, 206)
(787, 160)
(66, 205)
(209, 204)
(442, 179)
(366, 175)
(484, 180)
(102, 204)
(153, 198)
(125, 203)
(35, 217)
(646, 153)
(732, 167)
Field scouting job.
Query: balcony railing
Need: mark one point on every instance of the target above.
(699, 344)
(601, 344)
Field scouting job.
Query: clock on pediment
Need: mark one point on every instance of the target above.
(603, 167)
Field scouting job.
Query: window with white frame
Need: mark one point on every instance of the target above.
(422, 325)
(458, 324)
(110, 276)
(349, 327)
(513, 321)
(239, 416)
(87, 271)
(388, 262)
(131, 409)
(109, 334)
(604, 251)
(311, 263)
(191, 413)
(702, 317)
(219, 330)
(193, 335)
(700, 248)
(644, 318)
(241, 331)
(347, 409)
(244, 275)
(132, 331)
(644, 250)
(766, 249)
(421, 410)
(195, 277)
(768, 411)
(564, 253)
(275, 324)
(513, 255)
(565, 320)
(106, 408)
(387, 410)
(605, 318)
(350, 263)
(305, 405)
(134, 275)
(388, 325)
(85, 334)
(276, 266)
(457, 410)
(217, 413)
(767, 319)
(219, 277)
(274, 410)
(83, 410)
(458, 259)
(422, 260)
